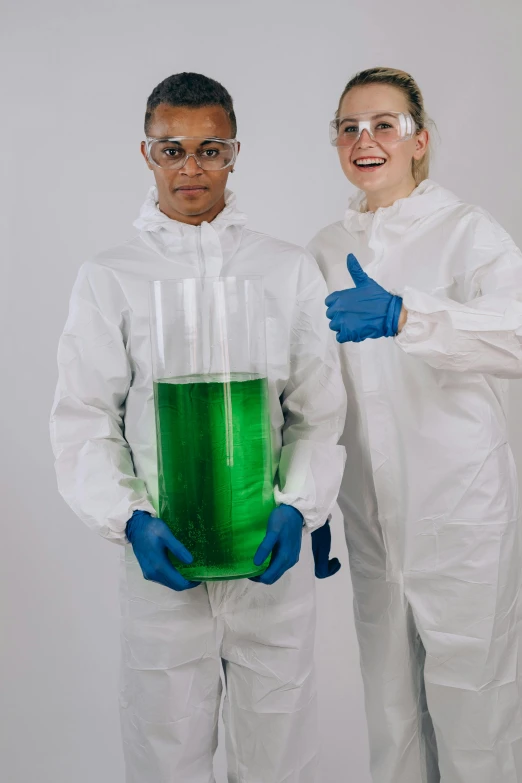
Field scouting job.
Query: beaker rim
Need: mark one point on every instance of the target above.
(205, 278)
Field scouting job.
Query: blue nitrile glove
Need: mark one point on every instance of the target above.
(367, 310)
(151, 538)
(321, 543)
(284, 533)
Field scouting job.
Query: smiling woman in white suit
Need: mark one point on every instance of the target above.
(432, 515)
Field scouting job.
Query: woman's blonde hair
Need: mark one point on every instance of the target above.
(403, 81)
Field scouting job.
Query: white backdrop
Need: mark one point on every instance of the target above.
(74, 81)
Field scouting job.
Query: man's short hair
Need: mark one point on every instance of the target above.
(193, 90)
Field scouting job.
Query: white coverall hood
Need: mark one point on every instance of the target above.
(431, 507)
(220, 238)
(152, 219)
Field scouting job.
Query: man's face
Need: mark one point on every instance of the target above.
(190, 194)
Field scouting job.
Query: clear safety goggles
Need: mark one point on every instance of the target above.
(211, 154)
(383, 126)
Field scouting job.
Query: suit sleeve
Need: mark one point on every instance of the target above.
(484, 334)
(94, 464)
(314, 407)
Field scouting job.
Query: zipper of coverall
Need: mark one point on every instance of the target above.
(199, 247)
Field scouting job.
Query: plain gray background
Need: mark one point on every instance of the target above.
(74, 80)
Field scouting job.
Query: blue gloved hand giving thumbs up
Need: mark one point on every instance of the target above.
(367, 310)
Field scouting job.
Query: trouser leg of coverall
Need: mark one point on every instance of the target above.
(402, 743)
(270, 706)
(171, 684)
(463, 596)
(465, 606)
(401, 738)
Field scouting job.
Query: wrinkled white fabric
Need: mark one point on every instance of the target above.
(103, 434)
(430, 495)
(102, 424)
(173, 648)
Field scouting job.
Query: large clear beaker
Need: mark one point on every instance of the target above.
(215, 477)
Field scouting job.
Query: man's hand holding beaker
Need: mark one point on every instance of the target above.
(283, 539)
(151, 539)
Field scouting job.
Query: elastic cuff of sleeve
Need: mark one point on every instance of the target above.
(393, 316)
(112, 536)
(312, 521)
(144, 507)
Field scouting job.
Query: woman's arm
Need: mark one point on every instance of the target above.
(483, 335)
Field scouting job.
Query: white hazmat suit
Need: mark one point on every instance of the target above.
(432, 514)
(103, 436)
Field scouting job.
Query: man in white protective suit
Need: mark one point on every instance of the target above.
(178, 636)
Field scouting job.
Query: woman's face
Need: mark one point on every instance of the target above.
(393, 174)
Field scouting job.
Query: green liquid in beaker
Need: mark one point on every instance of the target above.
(214, 470)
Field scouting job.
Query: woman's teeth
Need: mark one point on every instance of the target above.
(369, 162)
